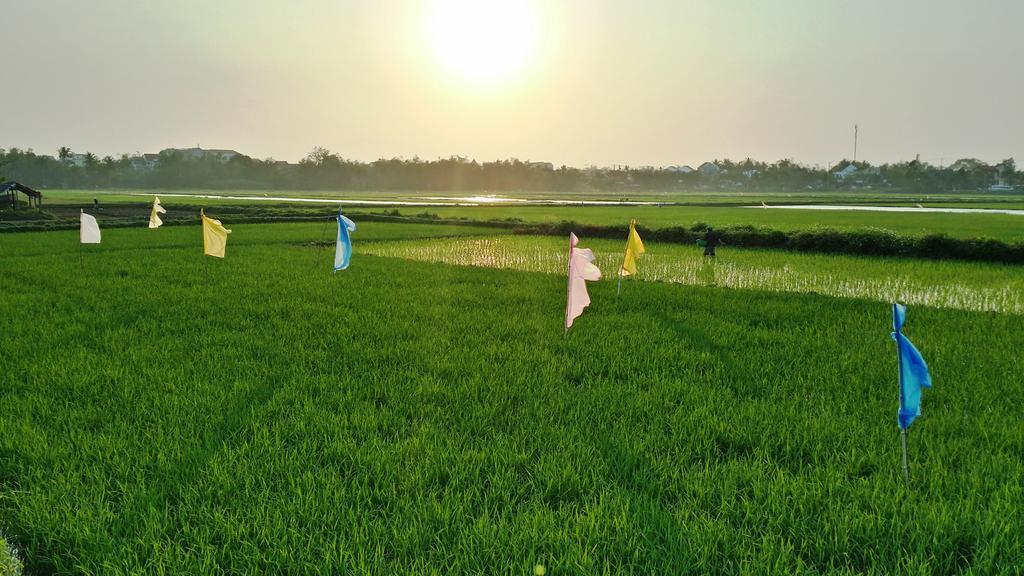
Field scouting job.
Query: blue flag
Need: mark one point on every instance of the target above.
(913, 371)
(343, 249)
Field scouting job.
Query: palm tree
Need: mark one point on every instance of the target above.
(64, 153)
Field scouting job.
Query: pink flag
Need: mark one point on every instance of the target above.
(581, 269)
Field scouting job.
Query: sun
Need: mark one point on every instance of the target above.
(484, 42)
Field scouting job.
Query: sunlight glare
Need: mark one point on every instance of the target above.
(483, 41)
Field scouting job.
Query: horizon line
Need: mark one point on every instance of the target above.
(816, 165)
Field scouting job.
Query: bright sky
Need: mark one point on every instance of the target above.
(581, 82)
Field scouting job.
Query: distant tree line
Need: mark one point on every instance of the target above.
(322, 169)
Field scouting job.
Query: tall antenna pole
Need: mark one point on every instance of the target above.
(854, 142)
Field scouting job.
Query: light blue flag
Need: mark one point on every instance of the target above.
(913, 371)
(343, 249)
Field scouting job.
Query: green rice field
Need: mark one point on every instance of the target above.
(938, 283)
(424, 412)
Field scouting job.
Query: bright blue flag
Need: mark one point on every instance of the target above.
(343, 249)
(913, 371)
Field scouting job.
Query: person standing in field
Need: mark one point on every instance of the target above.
(712, 240)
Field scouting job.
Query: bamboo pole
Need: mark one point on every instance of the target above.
(624, 252)
(568, 287)
(906, 466)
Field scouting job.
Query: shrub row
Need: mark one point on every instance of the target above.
(867, 242)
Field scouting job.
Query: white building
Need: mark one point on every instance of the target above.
(709, 169)
(846, 172)
(75, 160)
(145, 162)
(198, 153)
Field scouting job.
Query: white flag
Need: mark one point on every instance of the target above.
(581, 269)
(89, 230)
(154, 218)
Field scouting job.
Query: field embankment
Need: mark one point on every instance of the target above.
(857, 234)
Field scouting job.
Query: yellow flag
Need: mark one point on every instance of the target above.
(215, 236)
(634, 248)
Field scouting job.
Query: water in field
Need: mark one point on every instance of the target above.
(893, 209)
(944, 284)
(426, 201)
(500, 200)
(495, 199)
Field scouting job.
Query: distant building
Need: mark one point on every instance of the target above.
(542, 165)
(709, 169)
(679, 169)
(845, 173)
(75, 160)
(751, 173)
(145, 162)
(198, 153)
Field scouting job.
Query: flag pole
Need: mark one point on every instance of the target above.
(322, 238)
(568, 287)
(906, 467)
(624, 252)
(81, 258)
(629, 236)
(337, 234)
(899, 380)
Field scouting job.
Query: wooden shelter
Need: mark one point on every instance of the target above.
(11, 189)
